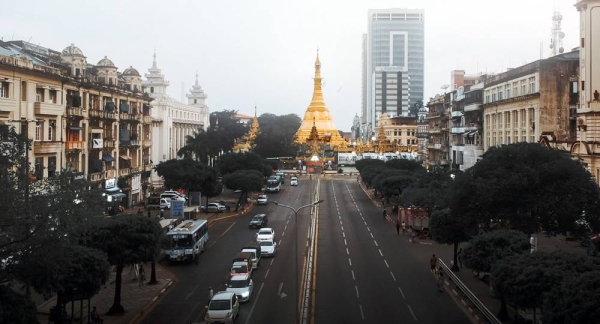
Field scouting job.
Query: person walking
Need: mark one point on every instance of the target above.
(403, 228)
(397, 227)
(142, 275)
(432, 263)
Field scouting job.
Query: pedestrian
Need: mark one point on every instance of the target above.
(397, 228)
(403, 228)
(458, 258)
(440, 281)
(432, 263)
(142, 275)
(384, 213)
(96, 319)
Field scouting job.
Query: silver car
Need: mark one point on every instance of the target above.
(223, 308)
(241, 286)
(268, 248)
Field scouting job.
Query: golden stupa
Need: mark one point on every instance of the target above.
(318, 115)
(246, 143)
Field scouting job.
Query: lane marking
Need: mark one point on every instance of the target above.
(401, 293)
(267, 273)
(357, 294)
(345, 243)
(353, 278)
(368, 229)
(380, 252)
(227, 230)
(254, 303)
(376, 243)
(361, 312)
(386, 264)
(411, 312)
(349, 261)
(372, 235)
(272, 260)
(344, 234)
(393, 275)
(347, 251)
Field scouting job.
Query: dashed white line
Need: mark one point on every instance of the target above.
(386, 264)
(345, 243)
(272, 260)
(342, 228)
(380, 252)
(411, 312)
(375, 242)
(401, 293)
(368, 229)
(343, 234)
(357, 295)
(350, 261)
(361, 312)
(365, 223)
(372, 235)
(353, 278)
(393, 275)
(347, 251)
(267, 273)
(285, 228)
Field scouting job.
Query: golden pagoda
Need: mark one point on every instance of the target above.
(318, 115)
(246, 144)
(383, 144)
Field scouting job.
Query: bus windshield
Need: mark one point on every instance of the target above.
(181, 241)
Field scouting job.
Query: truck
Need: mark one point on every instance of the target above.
(416, 218)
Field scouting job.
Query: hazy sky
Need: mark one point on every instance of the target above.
(262, 52)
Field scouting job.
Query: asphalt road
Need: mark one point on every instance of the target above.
(365, 273)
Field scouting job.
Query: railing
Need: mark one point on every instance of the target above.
(148, 167)
(124, 172)
(98, 176)
(136, 169)
(74, 145)
(75, 112)
(109, 143)
(134, 142)
(480, 306)
(147, 119)
(147, 143)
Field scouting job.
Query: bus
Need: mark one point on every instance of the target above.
(187, 240)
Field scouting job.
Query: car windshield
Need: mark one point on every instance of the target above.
(238, 283)
(239, 269)
(266, 243)
(264, 231)
(219, 305)
(257, 219)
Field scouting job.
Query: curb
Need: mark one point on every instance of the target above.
(250, 207)
(142, 312)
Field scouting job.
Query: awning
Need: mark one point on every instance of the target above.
(118, 195)
(125, 157)
(77, 128)
(108, 158)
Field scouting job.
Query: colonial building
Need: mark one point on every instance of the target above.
(89, 119)
(524, 103)
(466, 126)
(172, 120)
(401, 132)
(438, 145)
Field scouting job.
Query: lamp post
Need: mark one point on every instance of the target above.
(296, 210)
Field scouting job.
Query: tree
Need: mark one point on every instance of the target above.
(429, 190)
(449, 229)
(244, 180)
(363, 163)
(575, 300)
(232, 162)
(223, 132)
(16, 308)
(190, 175)
(276, 136)
(530, 187)
(126, 239)
(487, 249)
(404, 164)
(196, 146)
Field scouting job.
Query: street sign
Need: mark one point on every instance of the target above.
(177, 208)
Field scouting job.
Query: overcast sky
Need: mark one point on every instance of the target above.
(262, 52)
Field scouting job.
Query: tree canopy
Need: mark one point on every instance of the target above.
(245, 181)
(276, 137)
(488, 248)
(232, 162)
(531, 187)
(189, 175)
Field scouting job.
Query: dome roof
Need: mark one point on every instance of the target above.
(72, 50)
(105, 62)
(130, 71)
(423, 109)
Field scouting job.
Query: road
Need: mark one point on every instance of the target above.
(365, 273)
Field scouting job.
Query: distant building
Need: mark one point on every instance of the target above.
(172, 120)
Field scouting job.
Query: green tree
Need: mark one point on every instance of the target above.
(245, 181)
(449, 229)
(223, 132)
(232, 162)
(575, 300)
(16, 307)
(126, 239)
(529, 186)
(190, 175)
(404, 164)
(486, 249)
(196, 146)
(276, 136)
(363, 163)
(429, 190)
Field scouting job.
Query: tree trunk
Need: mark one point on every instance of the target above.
(503, 313)
(455, 267)
(116, 308)
(152, 274)
(240, 202)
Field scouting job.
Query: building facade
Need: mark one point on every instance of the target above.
(395, 41)
(172, 120)
(401, 132)
(438, 144)
(88, 119)
(466, 126)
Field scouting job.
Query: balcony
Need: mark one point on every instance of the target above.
(457, 114)
(45, 108)
(109, 143)
(75, 112)
(147, 119)
(146, 143)
(126, 116)
(134, 142)
(46, 147)
(148, 167)
(434, 130)
(472, 107)
(124, 172)
(103, 114)
(74, 145)
(97, 176)
(136, 169)
(7, 104)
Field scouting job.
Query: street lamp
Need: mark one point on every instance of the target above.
(296, 210)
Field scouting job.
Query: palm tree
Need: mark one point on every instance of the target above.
(196, 146)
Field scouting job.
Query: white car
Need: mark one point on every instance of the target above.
(224, 307)
(241, 286)
(268, 248)
(265, 234)
(262, 200)
(214, 208)
(294, 181)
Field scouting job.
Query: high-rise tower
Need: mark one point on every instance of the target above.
(394, 63)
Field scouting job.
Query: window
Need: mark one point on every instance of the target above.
(51, 166)
(515, 89)
(523, 87)
(39, 95)
(51, 128)
(507, 90)
(38, 131)
(532, 85)
(39, 168)
(151, 89)
(493, 97)
(23, 91)
(53, 95)
(4, 90)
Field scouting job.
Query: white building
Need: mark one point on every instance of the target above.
(172, 120)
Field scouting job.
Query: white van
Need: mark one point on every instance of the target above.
(165, 203)
(255, 256)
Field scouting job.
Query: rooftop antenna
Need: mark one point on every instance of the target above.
(556, 41)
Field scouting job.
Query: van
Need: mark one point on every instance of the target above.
(254, 249)
(244, 257)
(165, 203)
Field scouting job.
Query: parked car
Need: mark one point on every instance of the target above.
(165, 203)
(213, 208)
(265, 234)
(262, 200)
(241, 286)
(294, 181)
(224, 307)
(173, 195)
(259, 221)
(268, 248)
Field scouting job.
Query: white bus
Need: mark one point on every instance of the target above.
(187, 240)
